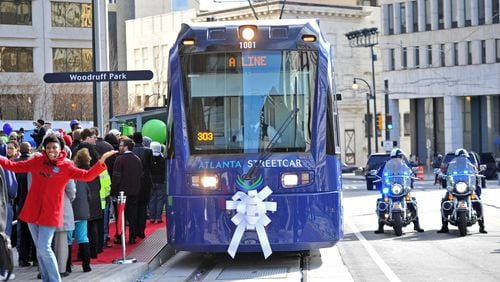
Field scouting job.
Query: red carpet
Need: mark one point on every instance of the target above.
(110, 254)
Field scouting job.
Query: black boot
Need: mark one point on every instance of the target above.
(481, 226)
(444, 227)
(68, 263)
(380, 229)
(85, 254)
(416, 225)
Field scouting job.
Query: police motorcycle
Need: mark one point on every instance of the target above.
(461, 206)
(396, 207)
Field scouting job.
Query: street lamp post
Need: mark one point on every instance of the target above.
(368, 119)
(367, 37)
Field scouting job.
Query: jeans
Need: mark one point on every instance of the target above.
(42, 236)
(158, 200)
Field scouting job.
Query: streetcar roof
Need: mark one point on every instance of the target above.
(282, 22)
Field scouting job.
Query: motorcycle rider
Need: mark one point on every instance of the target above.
(478, 206)
(397, 153)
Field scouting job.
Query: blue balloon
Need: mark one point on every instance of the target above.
(7, 128)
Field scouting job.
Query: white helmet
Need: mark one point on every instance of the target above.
(461, 152)
(397, 153)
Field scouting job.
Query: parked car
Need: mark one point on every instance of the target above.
(350, 168)
(375, 161)
(488, 160)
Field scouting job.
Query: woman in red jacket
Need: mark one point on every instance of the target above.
(50, 172)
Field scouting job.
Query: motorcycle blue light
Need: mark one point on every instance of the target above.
(405, 173)
(386, 174)
(385, 190)
(455, 172)
(466, 172)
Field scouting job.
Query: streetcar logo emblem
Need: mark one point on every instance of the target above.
(246, 185)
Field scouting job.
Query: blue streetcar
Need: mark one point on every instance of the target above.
(253, 156)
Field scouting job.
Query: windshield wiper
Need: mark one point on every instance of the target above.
(266, 152)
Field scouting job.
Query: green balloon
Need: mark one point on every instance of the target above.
(5, 139)
(156, 130)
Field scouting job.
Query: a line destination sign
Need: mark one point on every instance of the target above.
(65, 77)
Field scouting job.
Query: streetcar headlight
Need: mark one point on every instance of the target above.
(396, 189)
(289, 180)
(209, 182)
(461, 187)
(248, 32)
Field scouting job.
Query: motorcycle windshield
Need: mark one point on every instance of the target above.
(461, 169)
(397, 171)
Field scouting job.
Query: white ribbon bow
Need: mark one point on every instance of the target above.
(251, 215)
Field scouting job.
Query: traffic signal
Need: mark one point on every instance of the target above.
(380, 122)
(388, 122)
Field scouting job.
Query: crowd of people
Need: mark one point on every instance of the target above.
(63, 190)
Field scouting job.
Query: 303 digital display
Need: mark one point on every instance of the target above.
(205, 136)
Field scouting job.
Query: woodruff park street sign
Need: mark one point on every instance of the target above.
(68, 77)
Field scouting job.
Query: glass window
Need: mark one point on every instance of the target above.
(414, 11)
(481, 11)
(495, 6)
(455, 53)
(497, 43)
(72, 59)
(483, 51)
(16, 59)
(16, 12)
(442, 55)
(429, 55)
(65, 14)
(244, 101)
(392, 59)
(417, 57)
(390, 18)
(454, 13)
(428, 14)
(469, 52)
(16, 106)
(402, 16)
(404, 61)
(467, 9)
(441, 14)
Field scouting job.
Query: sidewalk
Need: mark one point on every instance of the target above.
(150, 254)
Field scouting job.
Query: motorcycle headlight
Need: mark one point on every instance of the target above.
(396, 189)
(461, 187)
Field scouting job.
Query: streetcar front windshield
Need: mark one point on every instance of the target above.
(244, 102)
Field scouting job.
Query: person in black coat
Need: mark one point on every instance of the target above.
(126, 177)
(146, 156)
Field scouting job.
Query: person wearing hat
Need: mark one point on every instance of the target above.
(73, 125)
(115, 132)
(39, 132)
(159, 192)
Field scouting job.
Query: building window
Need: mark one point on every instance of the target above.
(402, 16)
(483, 51)
(72, 59)
(391, 59)
(428, 14)
(390, 18)
(454, 13)
(414, 12)
(406, 124)
(467, 9)
(417, 57)
(66, 14)
(441, 14)
(16, 106)
(497, 43)
(16, 59)
(429, 55)
(495, 7)
(455, 54)
(404, 59)
(469, 52)
(16, 12)
(442, 55)
(480, 11)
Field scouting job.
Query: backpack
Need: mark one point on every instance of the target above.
(6, 256)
